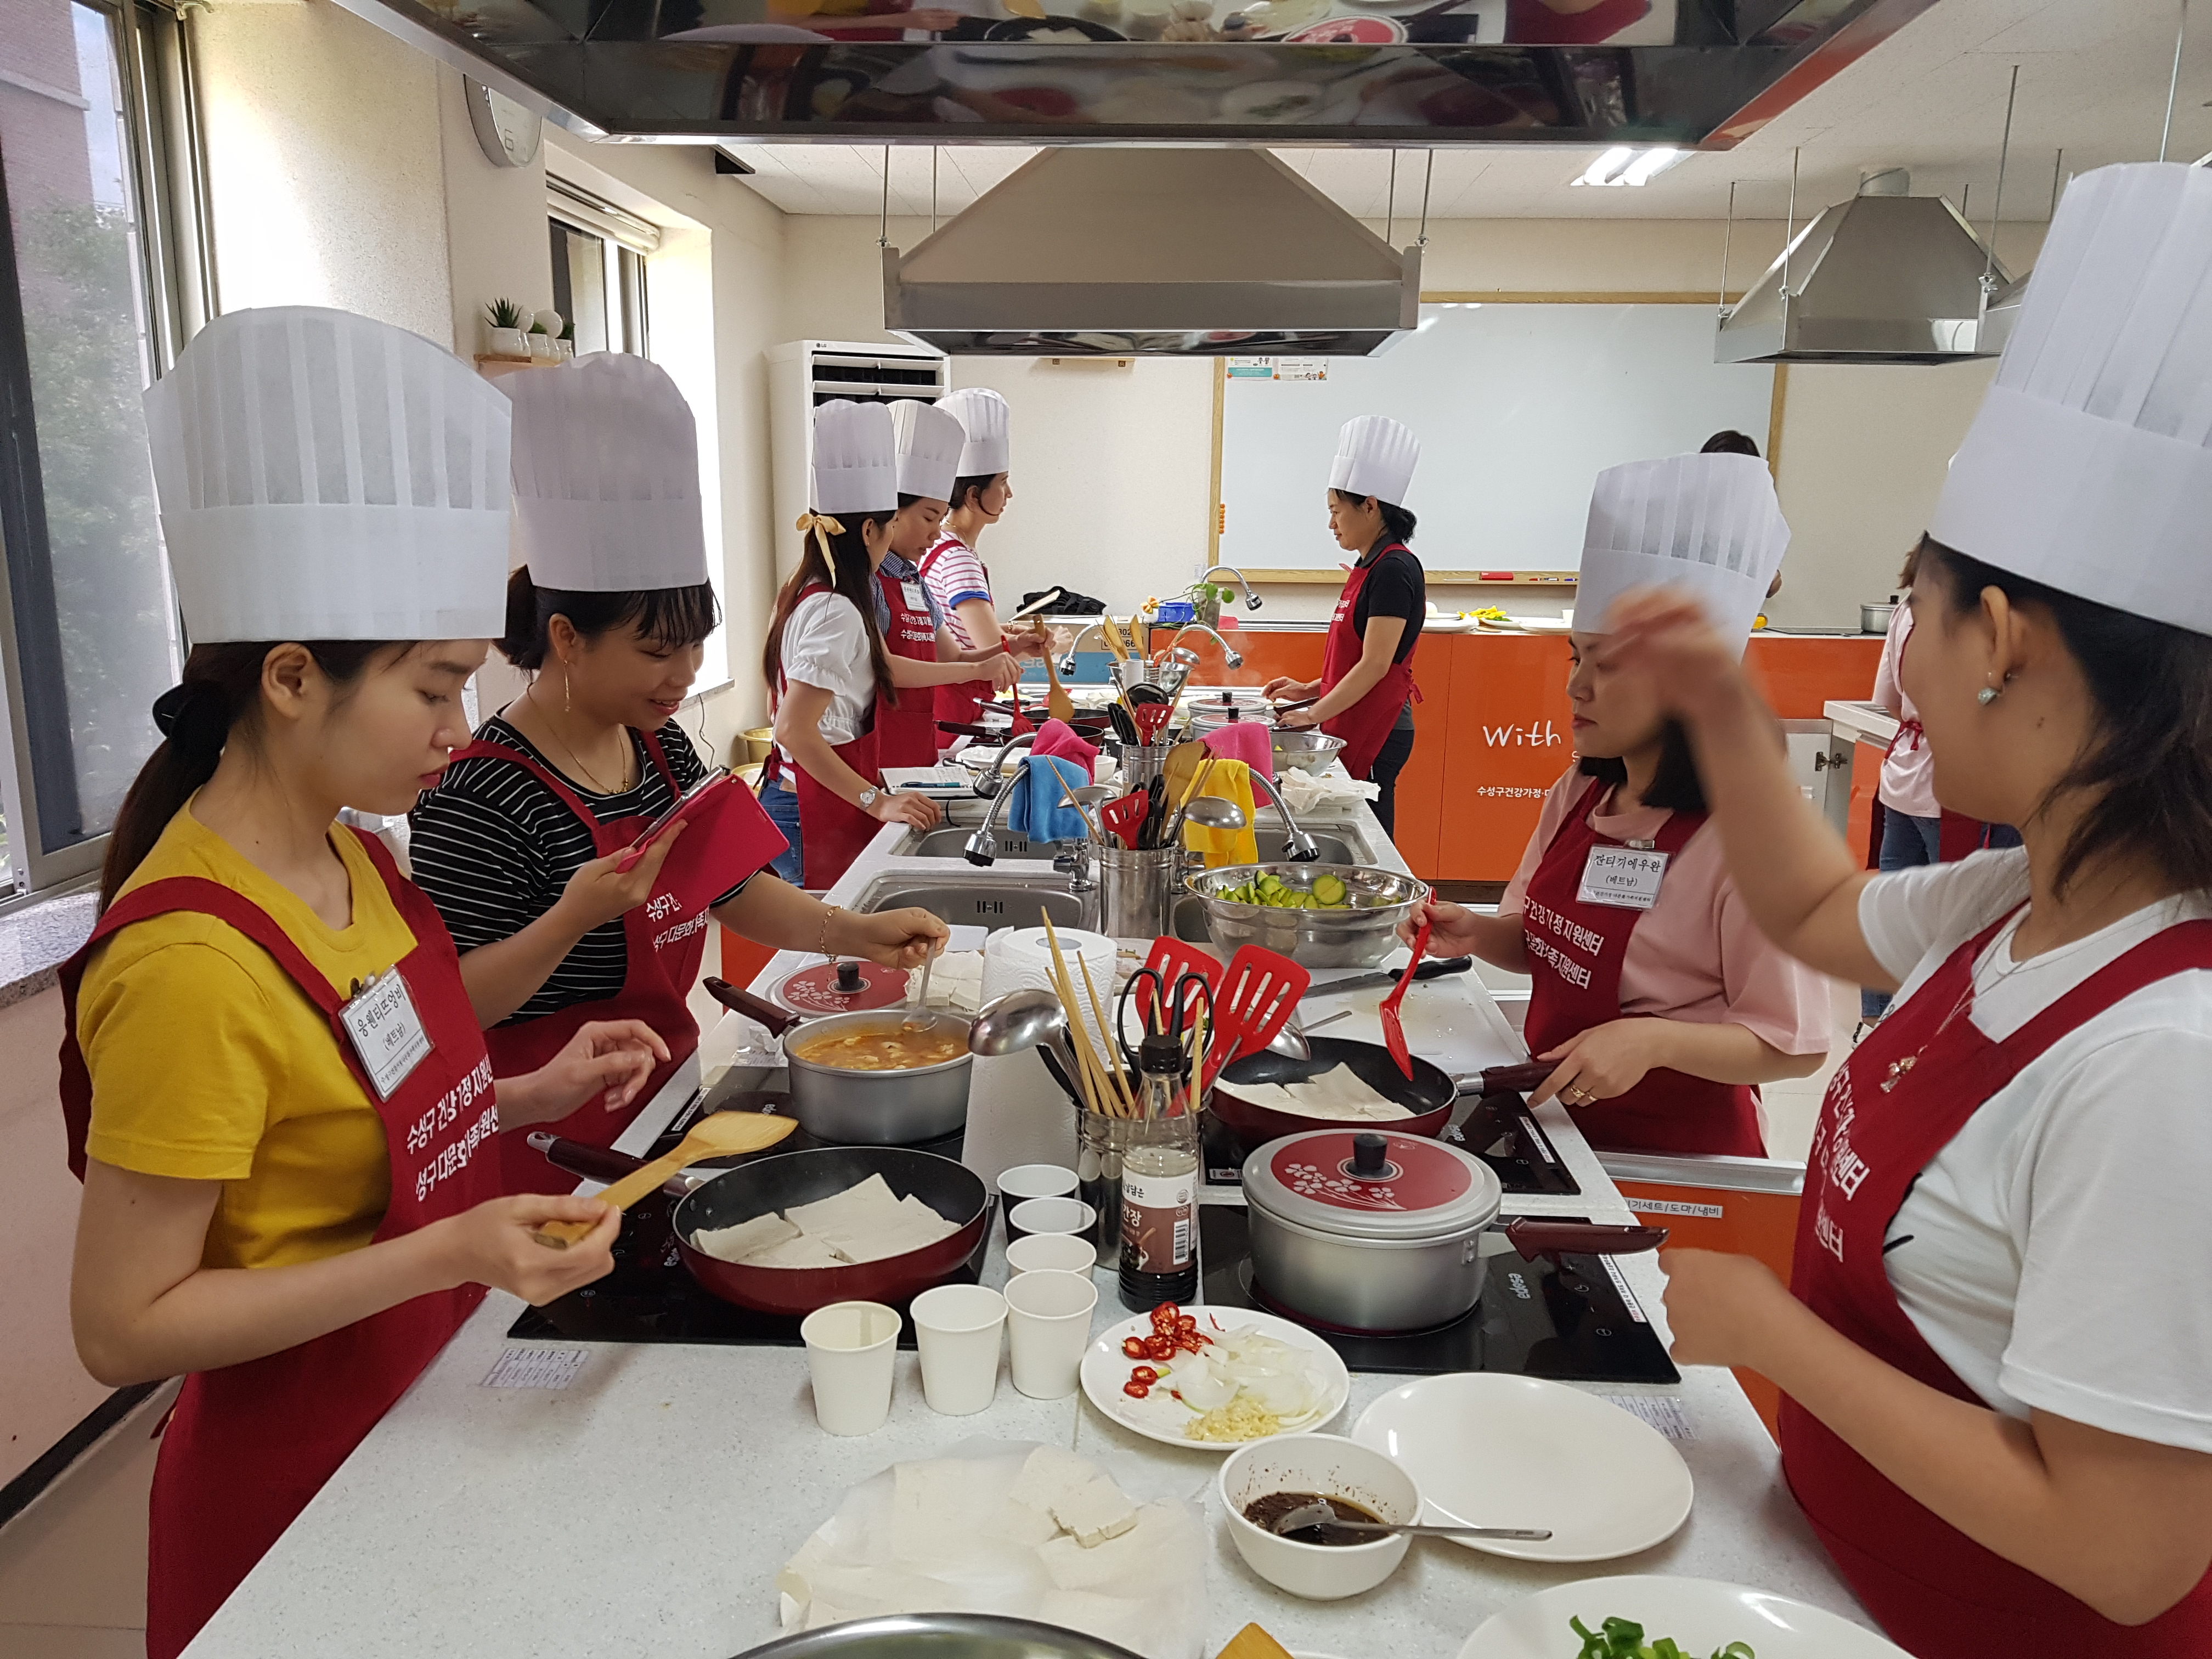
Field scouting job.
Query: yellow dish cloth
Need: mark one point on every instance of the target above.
(1232, 781)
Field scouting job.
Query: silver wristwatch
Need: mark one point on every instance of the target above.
(868, 797)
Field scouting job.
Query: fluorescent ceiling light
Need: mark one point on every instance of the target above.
(1624, 165)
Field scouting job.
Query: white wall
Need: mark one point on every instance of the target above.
(1112, 471)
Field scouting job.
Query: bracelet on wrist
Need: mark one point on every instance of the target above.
(822, 944)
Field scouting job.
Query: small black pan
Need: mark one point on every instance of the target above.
(1428, 1094)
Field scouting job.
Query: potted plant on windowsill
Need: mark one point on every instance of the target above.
(503, 325)
(545, 336)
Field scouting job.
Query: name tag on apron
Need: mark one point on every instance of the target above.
(1626, 877)
(387, 1032)
(911, 592)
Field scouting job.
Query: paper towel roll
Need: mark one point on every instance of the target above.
(1016, 1113)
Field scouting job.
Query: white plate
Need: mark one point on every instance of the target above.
(1160, 1416)
(1493, 1451)
(1703, 1616)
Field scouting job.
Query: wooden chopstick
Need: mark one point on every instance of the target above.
(1109, 1098)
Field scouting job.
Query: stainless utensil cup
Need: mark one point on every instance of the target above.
(1137, 891)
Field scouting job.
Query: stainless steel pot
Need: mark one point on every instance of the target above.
(865, 1108)
(966, 1635)
(1364, 1231)
(1874, 618)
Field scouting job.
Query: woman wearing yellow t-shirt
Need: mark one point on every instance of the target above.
(277, 1094)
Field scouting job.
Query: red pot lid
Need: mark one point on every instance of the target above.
(863, 986)
(1365, 1183)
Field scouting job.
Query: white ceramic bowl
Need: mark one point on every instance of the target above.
(1336, 1467)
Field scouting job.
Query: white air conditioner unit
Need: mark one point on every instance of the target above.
(805, 374)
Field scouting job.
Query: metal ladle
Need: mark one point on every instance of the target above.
(1021, 1020)
(1207, 813)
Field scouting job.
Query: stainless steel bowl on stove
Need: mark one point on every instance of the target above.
(1358, 937)
(953, 1635)
(1360, 1230)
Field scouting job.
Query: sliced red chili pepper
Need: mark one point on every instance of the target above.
(1133, 1346)
(1136, 1390)
(1144, 1374)
(1159, 1347)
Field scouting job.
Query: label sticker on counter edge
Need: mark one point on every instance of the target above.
(1628, 1296)
(536, 1367)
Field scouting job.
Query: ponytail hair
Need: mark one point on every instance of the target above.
(853, 577)
(220, 695)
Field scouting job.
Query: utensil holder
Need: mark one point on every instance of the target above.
(1142, 762)
(1137, 891)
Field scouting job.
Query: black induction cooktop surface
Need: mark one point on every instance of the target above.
(1573, 1321)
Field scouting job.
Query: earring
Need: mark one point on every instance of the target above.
(567, 708)
(1988, 695)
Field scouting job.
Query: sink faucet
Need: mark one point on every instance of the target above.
(1068, 662)
(983, 847)
(1229, 654)
(1251, 599)
(992, 780)
(1301, 849)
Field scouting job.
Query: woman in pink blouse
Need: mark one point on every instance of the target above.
(1661, 1002)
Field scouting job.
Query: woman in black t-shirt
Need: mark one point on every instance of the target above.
(1367, 674)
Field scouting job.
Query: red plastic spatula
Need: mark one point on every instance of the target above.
(1125, 817)
(1172, 959)
(1393, 1031)
(1255, 998)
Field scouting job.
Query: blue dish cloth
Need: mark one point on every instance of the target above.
(1040, 809)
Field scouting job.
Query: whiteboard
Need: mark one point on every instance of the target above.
(1518, 408)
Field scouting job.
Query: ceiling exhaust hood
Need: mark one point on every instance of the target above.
(1886, 277)
(1103, 252)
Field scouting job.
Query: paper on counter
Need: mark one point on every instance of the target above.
(973, 1532)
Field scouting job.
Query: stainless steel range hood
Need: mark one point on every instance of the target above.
(1884, 277)
(1153, 252)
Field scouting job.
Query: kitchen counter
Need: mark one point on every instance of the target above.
(644, 1508)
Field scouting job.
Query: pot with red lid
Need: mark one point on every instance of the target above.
(1374, 1233)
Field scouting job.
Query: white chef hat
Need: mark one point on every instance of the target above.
(323, 477)
(606, 476)
(1707, 523)
(1374, 456)
(855, 459)
(2090, 465)
(984, 416)
(929, 444)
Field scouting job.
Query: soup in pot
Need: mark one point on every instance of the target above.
(891, 1048)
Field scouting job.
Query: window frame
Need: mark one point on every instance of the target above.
(154, 52)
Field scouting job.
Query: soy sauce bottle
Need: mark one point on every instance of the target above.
(1159, 1185)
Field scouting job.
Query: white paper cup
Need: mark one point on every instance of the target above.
(1028, 1181)
(1049, 1215)
(956, 1327)
(1051, 1253)
(1048, 1326)
(850, 1347)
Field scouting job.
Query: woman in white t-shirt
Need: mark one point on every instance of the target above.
(1997, 1348)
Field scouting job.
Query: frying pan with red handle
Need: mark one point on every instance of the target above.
(722, 1196)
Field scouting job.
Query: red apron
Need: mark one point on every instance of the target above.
(832, 831)
(906, 724)
(958, 703)
(663, 942)
(1575, 954)
(1905, 1091)
(248, 1445)
(1367, 724)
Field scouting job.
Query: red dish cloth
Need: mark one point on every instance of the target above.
(1252, 742)
(1059, 739)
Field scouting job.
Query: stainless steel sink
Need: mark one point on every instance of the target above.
(988, 902)
(951, 842)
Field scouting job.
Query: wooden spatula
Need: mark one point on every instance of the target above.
(1180, 768)
(1057, 702)
(719, 1134)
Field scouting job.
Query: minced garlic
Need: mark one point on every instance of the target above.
(1241, 1419)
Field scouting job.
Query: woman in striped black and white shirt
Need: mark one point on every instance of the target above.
(520, 843)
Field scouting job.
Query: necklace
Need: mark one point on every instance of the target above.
(1895, 1071)
(574, 759)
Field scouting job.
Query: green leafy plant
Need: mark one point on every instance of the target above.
(504, 314)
